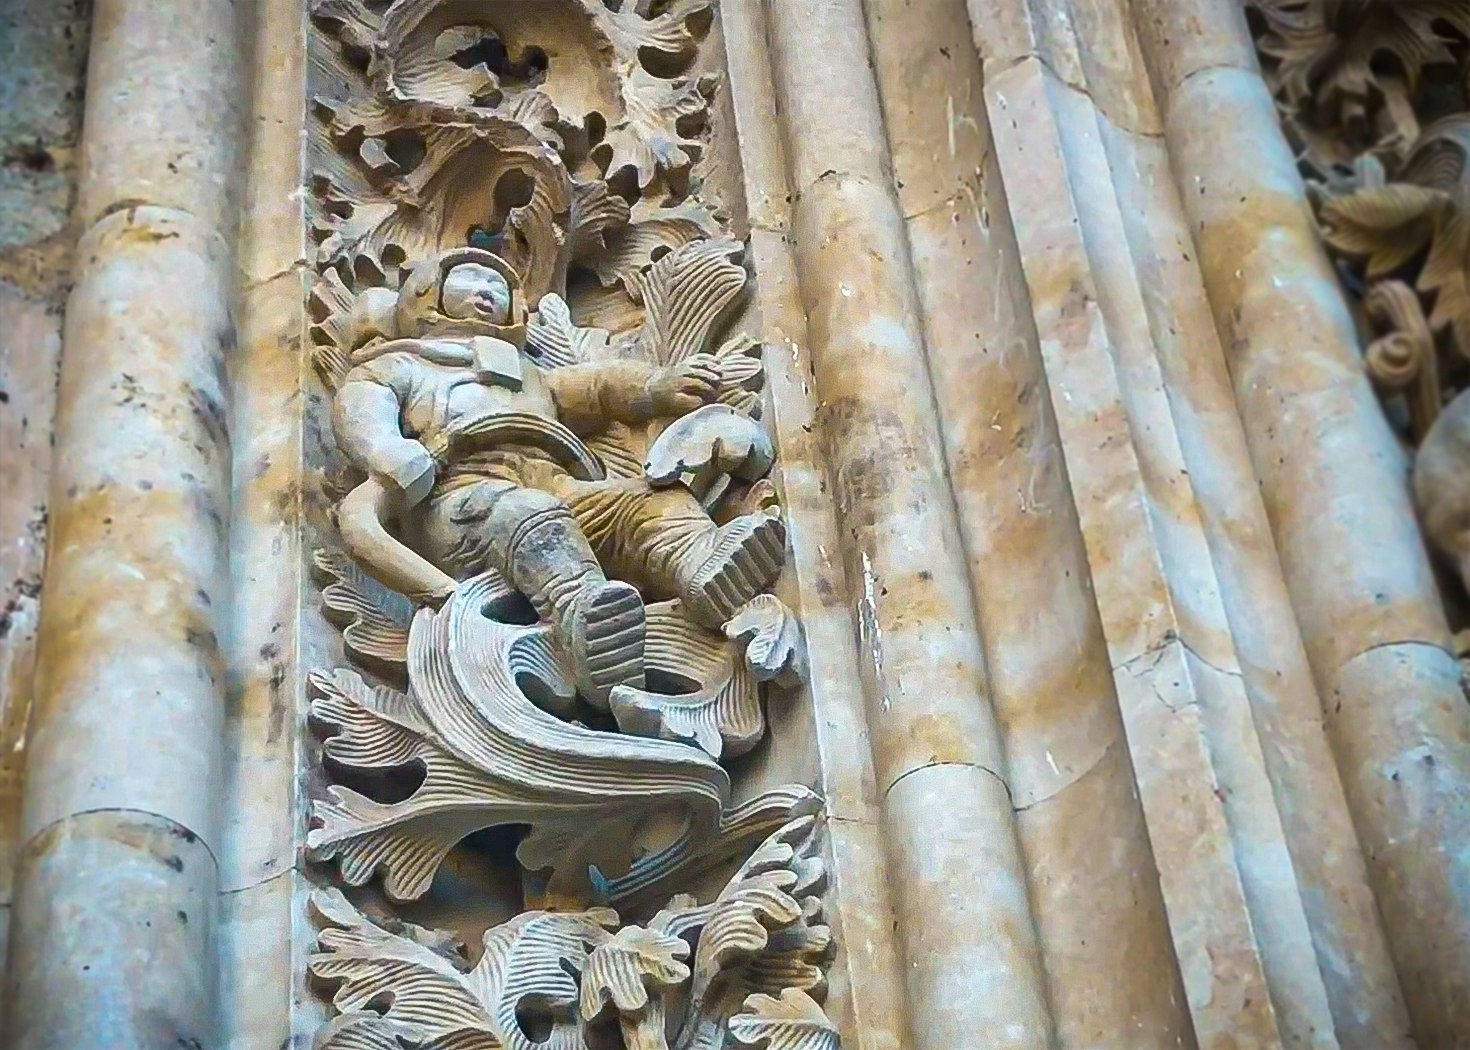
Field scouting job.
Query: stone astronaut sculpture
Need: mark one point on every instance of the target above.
(477, 451)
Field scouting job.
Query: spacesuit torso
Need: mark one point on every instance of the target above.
(437, 398)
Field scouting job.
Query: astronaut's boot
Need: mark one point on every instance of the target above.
(727, 566)
(599, 622)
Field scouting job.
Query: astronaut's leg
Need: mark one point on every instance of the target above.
(532, 538)
(664, 540)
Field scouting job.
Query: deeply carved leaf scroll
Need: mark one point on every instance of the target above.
(1330, 60)
(491, 756)
(553, 978)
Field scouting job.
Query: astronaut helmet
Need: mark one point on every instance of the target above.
(466, 291)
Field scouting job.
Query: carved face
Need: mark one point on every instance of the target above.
(473, 292)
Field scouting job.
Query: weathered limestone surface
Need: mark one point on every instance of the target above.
(877, 1015)
(44, 48)
(136, 574)
(1106, 697)
(261, 841)
(1105, 942)
(1333, 481)
(973, 964)
(1156, 587)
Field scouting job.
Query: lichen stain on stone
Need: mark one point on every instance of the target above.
(939, 739)
(145, 234)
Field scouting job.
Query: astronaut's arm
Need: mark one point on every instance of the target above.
(591, 396)
(365, 416)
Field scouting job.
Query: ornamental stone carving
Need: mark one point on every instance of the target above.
(554, 544)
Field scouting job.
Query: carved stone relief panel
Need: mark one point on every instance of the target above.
(549, 542)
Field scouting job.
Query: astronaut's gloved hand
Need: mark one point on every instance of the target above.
(692, 383)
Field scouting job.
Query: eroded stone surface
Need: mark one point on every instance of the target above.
(118, 911)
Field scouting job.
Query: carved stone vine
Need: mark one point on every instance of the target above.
(557, 540)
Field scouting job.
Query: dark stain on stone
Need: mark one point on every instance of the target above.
(209, 411)
(32, 157)
(202, 639)
(128, 204)
(149, 235)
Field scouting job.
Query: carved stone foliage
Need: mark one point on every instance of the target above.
(1371, 92)
(1355, 76)
(740, 971)
(556, 540)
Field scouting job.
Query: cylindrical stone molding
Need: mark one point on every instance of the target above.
(112, 941)
(1111, 971)
(971, 958)
(867, 997)
(1333, 480)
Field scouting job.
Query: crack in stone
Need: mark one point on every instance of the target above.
(1010, 798)
(1210, 663)
(966, 191)
(1415, 642)
(290, 869)
(1074, 780)
(1211, 68)
(100, 810)
(297, 266)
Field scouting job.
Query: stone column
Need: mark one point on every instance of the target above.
(1111, 971)
(1219, 709)
(262, 836)
(971, 960)
(1305, 880)
(867, 997)
(112, 943)
(1333, 480)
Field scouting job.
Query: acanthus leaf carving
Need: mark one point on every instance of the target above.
(649, 139)
(792, 1022)
(1410, 232)
(1326, 57)
(748, 965)
(650, 231)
